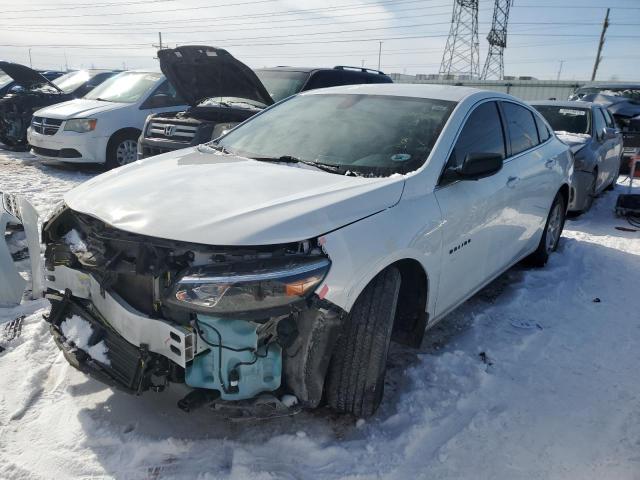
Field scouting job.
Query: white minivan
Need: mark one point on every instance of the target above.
(103, 126)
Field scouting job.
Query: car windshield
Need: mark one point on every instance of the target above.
(632, 93)
(566, 119)
(370, 135)
(71, 81)
(126, 87)
(280, 83)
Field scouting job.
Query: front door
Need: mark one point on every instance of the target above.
(472, 211)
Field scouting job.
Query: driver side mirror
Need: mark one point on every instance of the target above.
(611, 132)
(476, 166)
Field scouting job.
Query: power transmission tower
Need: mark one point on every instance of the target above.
(461, 54)
(497, 38)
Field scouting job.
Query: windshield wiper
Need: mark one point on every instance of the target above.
(327, 167)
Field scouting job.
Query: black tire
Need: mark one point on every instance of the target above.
(545, 247)
(116, 142)
(355, 380)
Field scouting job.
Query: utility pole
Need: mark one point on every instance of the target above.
(363, 63)
(159, 45)
(462, 51)
(605, 25)
(379, 54)
(560, 69)
(30, 62)
(497, 38)
(66, 63)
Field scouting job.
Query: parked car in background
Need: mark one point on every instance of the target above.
(596, 144)
(104, 126)
(623, 102)
(18, 105)
(284, 256)
(51, 74)
(7, 83)
(223, 92)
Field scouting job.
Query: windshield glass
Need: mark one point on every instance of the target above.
(566, 119)
(69, 82)
(362, 134)
(281, 84)
(632, 93)
(127, 87)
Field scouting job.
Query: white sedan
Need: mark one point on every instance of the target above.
(285, 256)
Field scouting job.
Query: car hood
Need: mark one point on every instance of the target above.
(25, 76)
(79, 108)
(575, 140)
(202, 196)
(200, 72)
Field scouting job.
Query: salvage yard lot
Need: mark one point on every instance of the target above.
(532, 378)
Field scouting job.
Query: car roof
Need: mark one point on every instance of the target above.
(418, 90)
(564, 103)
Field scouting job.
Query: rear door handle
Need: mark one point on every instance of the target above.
(550, 163)
(513, 181)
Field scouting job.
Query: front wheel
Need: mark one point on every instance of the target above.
(122, 149)
(551, 235)
(355, 381)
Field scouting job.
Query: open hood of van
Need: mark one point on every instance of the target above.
(24, 76)
(201, 72)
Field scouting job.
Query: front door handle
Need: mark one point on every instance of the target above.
(513, 181)
(550, 163)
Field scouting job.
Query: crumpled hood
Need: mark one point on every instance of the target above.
(200, 72)
(617, 105)
(24, 76)
(195, 195)
(78, 108)
(575, 140)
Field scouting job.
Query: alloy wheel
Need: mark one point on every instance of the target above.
(127, 152)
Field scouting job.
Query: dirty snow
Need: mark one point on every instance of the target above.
(482, 398)
(75, 242)
(574, 140)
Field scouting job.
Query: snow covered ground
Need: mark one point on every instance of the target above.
(531, 379)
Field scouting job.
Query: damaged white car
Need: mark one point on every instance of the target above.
(281, 259)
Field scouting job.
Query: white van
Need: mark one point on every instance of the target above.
(104, 126)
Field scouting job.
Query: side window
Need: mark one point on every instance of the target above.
(599, 123)
(164, 96)
(324, 79)
(543, 131)
(608, 118)
(482, 133)
(523, 133)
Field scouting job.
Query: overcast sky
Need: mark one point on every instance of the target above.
(121, 34)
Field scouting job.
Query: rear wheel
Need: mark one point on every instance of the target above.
(355, 381)
(122, 149)
(551, 235)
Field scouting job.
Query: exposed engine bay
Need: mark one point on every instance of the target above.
(230, 322)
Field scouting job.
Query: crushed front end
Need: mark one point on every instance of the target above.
(140, 313)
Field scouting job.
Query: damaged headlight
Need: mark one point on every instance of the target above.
(208, 290)
(80, 125)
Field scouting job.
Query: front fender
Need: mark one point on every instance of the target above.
(358, 252)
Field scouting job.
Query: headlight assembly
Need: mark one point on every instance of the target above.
(80, 125)
(210, 290)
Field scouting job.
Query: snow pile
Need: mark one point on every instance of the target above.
(79, 331)
(75, 242)
(573, 138)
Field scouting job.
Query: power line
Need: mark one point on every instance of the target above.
(87, 5)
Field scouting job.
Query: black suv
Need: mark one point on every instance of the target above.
(223, 92)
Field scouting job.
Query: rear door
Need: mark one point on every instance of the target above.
(472, 211)
(613, 146)
(531, 182)
(606, 149)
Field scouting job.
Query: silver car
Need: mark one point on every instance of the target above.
(596, 143)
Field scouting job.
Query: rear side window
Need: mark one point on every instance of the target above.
(543, 131)
(599, 123)
(608, 118)
(482, 133)
(523, 133)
